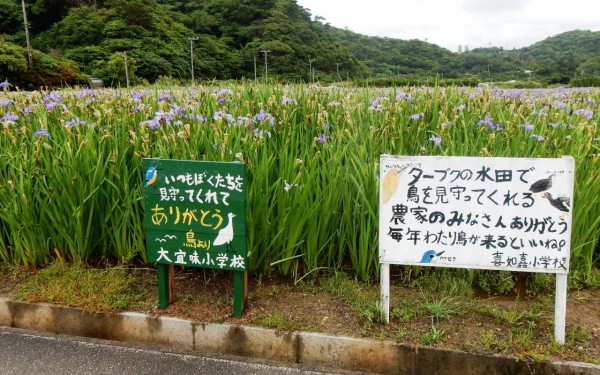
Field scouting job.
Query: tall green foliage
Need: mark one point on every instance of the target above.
(71, 180)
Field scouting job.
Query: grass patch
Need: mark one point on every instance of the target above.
(446, 282)
(366, 305)
(277, 320)
(432, 336)
(441, 308)
(108, 290)
(405, 311)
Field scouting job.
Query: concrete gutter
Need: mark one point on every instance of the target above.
(291, 347)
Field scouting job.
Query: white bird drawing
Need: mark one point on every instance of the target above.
(225, 235)
(390, 184)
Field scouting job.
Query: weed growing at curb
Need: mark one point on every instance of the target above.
(106, 290)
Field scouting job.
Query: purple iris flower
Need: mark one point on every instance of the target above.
(243, 120)
(322, 138)
(137, 97)
(286, 101)
(538, 137)
(486, 121)
(76, 121)
(11, 116)
(527, 126)
(262, 116)
(165, 96)
(436, 140)
(584, 112)
(259, 133)
(42, 133)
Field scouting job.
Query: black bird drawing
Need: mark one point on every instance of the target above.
(561, 203)
(541, 185)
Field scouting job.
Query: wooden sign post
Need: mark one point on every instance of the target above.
(511, 214)
(196, 217)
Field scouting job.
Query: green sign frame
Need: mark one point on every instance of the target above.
(195, 216)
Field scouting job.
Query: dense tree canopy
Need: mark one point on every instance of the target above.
(154, 36)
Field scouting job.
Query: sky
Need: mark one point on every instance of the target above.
(450, 23)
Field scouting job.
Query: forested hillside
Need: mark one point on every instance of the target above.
(73, 40)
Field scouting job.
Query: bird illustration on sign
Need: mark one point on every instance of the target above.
(225, 235)
(561, 203)
(430, 255)
(164, 239)
(151, 175)
(389, 184)
(541, 185)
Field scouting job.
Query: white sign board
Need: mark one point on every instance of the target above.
(467, 212)
(491, 213)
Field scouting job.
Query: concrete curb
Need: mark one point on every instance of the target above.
(292, 347)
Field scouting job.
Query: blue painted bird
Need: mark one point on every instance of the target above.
(151, 175)
(429, 255)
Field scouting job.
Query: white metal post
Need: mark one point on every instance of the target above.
(560, 308)
(384, 271)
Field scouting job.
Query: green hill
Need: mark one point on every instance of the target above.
(96, 35)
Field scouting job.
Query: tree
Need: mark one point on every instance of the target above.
(13, 62)
(11, 19)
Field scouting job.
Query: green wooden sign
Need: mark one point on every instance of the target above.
(195, 214)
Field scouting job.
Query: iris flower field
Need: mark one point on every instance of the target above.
(71, 179)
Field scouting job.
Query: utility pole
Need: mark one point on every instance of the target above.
(266, 64)
(126, 68)
(310, 74)
(254, 69)
(337, 69)
(29, 54)
(192, 39)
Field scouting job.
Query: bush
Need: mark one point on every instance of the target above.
(586, 81)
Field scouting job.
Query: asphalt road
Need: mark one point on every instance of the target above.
(26, 352)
